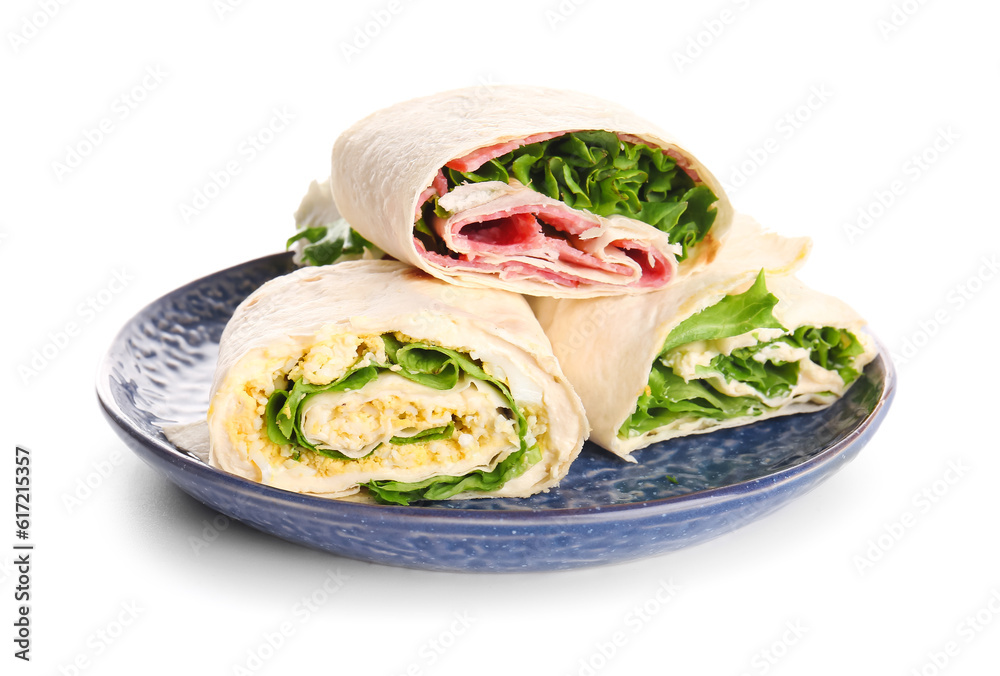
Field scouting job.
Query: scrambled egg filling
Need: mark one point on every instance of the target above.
(361, 423)
(329, 360)
(354, 423)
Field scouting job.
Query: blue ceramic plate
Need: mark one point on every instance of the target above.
(681, 492)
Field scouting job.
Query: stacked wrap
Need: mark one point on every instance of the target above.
(537, 191)
(372, 373)
(739, 341)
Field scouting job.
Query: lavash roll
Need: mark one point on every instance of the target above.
(320, 325)
(384, 166)
(607, 347)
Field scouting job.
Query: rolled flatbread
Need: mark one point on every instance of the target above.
(373, 375)
(740, 341)
(537, 191)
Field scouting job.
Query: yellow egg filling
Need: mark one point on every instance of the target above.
(362, 423)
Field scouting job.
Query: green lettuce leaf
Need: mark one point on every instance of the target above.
(432, 434)
(274, 431)
(669, 397)
(443, 487)
(429, 365)
(833, 349)
(440, 368)
(732, 316)
(595, 171)
(282, 418)
(423, 231)
(329, 244)
(770, 378)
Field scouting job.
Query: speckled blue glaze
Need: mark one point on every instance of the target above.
(159, 370)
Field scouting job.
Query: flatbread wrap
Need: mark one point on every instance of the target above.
(740, 341)
(372, 376)
(538, 191)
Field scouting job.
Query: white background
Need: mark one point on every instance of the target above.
(874, 577)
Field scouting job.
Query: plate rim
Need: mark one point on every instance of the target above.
(676, 503)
